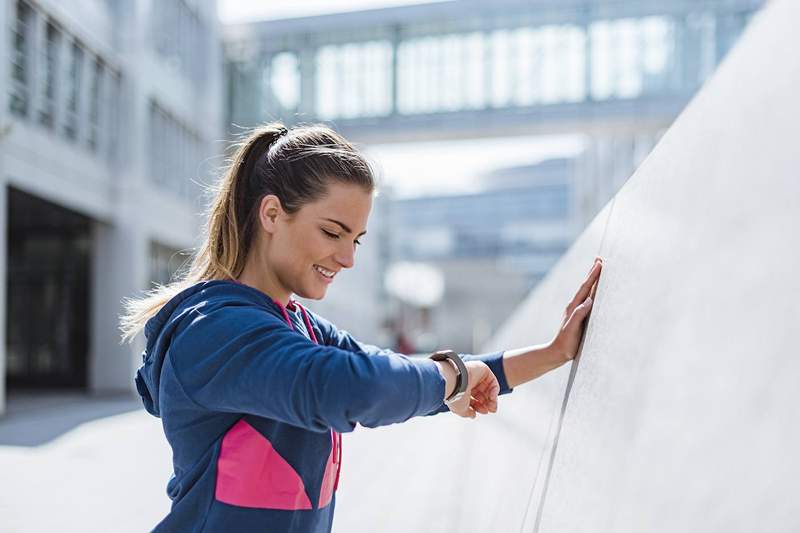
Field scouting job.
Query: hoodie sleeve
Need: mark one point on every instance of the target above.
(245, 360)
(344, 340)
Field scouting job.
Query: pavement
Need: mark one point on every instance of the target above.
(76, 462)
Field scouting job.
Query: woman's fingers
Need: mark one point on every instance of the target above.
(581, 312)
(594, 290)
(587, 287)
(568, 339)
(485, 400)
(479, 406)
(597, 260)
(485, 392)
(482, 405)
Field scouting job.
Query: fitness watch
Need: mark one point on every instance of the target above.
(462, 376)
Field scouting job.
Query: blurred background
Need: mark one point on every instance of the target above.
(498, 130)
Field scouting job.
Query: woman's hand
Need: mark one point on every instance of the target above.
(568, 338)
(481, 394)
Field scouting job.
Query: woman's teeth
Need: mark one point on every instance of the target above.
(326, 273)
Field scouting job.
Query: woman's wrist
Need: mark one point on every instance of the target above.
(449, 373)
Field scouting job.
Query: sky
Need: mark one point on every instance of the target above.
(418, 169)
(231, 11)
(455, 167)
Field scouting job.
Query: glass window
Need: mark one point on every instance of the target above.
(95, 103)
(73, 90)
(174, 151)
(48, 77)
(20, 60)
(165, 262)
(180, 38)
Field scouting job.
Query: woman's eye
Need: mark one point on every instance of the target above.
(336, 237)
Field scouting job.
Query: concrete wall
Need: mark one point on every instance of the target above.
(681, 412)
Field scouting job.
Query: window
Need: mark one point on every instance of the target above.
(73, 90)
(111, 104)
(165, 263)
(174, 151)
(61, 85)
(48, 77)
(180, 38)
(95, 103)
(20, 60)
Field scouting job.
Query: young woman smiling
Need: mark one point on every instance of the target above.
(253, 389)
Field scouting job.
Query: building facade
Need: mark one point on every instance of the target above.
(111, 125)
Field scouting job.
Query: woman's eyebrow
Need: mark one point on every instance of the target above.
(344, 226)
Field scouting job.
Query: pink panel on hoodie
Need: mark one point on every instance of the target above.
(251, 473)
(331, 476)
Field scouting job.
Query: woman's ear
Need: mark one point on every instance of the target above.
(268, 212)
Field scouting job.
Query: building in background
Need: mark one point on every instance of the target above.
(111, 118)
(615, 73)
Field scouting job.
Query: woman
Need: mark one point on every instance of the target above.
(254, 390)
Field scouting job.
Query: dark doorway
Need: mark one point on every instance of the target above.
(49, 253)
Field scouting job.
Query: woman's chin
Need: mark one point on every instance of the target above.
(317, 293)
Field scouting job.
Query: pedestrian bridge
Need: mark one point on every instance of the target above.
(471, 68)
(680, 413)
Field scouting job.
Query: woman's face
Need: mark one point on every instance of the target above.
(308, 249)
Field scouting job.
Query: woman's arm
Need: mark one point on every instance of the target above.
(333, 336)
(486, 371)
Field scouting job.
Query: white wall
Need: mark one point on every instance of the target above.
(682, 415)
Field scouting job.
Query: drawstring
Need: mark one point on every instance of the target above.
(308, 323)
(291, 305)
(285, 314)
(337, 437)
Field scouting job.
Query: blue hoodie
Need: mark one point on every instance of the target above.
(254, 396)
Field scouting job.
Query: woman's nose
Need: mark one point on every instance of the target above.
(346, 256)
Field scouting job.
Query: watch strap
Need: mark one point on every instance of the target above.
(461, 370)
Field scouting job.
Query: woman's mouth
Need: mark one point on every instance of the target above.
(324, 273)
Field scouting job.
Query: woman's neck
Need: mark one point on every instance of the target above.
(265, 281)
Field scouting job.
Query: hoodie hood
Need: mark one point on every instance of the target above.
(170, 320)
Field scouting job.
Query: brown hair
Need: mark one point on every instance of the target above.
(296, 165)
